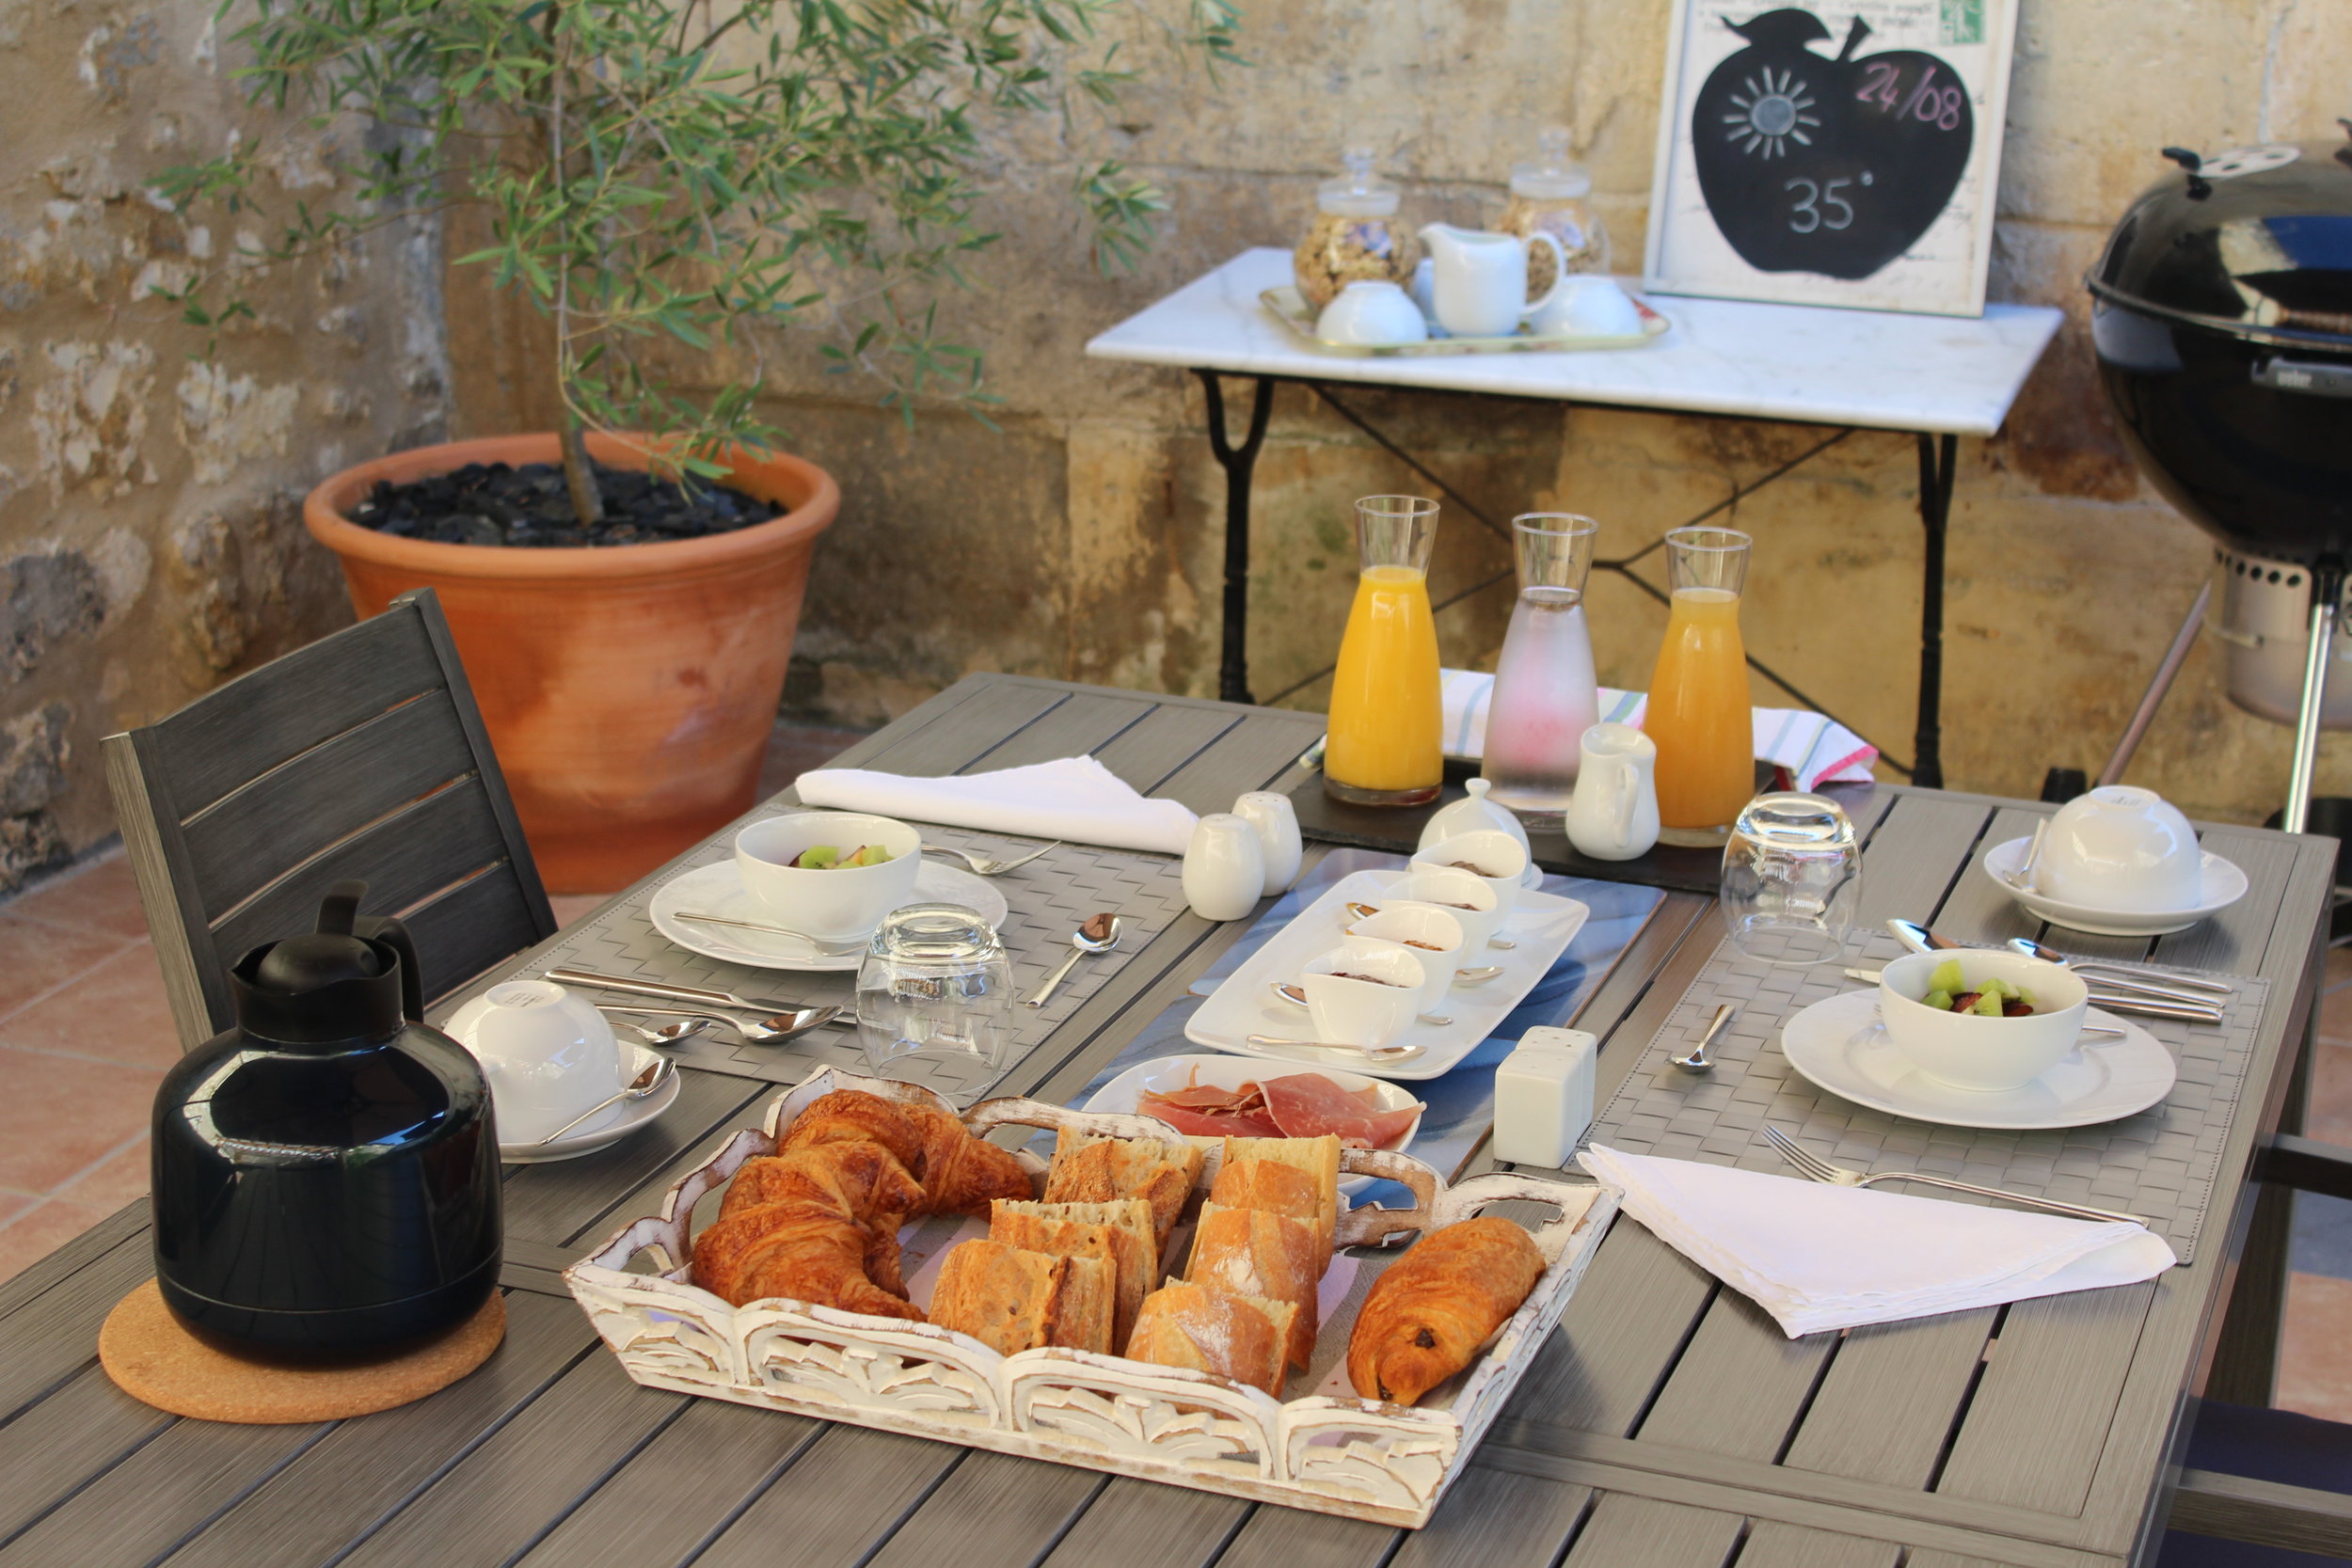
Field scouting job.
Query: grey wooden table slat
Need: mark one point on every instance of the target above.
(1290, 1538)
(1774, 1544)
(1623, 1327)
(1913, 857)
(1626, 1531)
(994, 1511)
(49, 1344)
(852, 1487)
(1142, 1524)
(1495, 1519)
(1737, 1347)
(1882, 1411)
(1071, 728)
(939, 737)
(84, 1429)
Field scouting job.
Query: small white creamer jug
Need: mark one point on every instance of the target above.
(1613, 816)
(1481, 289)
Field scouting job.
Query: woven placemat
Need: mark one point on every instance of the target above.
(2159, 1165)
(1046, 899)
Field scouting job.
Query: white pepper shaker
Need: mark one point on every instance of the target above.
(1270, 812)
(1224, 867)
(1544, 1096)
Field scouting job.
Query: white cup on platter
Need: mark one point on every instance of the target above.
(549, 1055)
(1469, 898)
(1346, 1009)
(1588, 306)
(1371, 312)
(1224, 867)
(1277, 820)
(2121, 848)
(1499, 860)
(1432, 935)
(842, 903)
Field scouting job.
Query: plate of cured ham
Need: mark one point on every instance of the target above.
(1211, 1097)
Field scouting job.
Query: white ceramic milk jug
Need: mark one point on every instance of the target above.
(1613, 816)
(1482, 279)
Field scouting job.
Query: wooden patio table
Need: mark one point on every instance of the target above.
(1667, 1425)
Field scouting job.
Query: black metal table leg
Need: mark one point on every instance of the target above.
(1239, 462)
(1938, 459)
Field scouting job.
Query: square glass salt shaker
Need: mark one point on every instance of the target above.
(1544, 1096)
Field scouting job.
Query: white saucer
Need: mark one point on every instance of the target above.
(2224, 885)
(608, 1125)
(719, 890)
(1840, 1045)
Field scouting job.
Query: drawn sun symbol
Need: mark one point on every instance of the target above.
(1772, 116)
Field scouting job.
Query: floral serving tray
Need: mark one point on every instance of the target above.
(1331, 1452)
(1292, 310)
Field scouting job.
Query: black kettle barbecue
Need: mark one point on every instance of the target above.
(2222, 320)
(327, 1172)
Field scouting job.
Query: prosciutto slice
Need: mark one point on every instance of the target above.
(1209, 1124)
(1308, 1105)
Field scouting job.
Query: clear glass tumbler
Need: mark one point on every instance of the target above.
(1385, 717)
(1792, 876)
(1545, 696)
(934, 998)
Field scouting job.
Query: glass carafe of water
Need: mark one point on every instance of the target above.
(1545, 697)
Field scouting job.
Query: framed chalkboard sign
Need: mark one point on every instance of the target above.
(1836, 152)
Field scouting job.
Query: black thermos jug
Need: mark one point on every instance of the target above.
(327, 1172)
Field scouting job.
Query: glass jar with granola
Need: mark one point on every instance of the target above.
(1354, 235)
(1552, 193)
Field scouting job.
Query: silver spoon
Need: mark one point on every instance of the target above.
(1919, 939)
(759, 1031)
(2049, 954)
(674, 1033)
(1099, 935)
(1296, 996)
(2022, 879)
(983, 866)
(789, 1017)
(649, 1082)
(1369, 1052)
(1365, 911)
(1478, 977)
(1698, 1060)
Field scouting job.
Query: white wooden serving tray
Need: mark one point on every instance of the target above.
(1363, 1459)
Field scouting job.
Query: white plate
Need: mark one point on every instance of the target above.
(719, 890)
(1840, 1045)
(1167, 1074)
(2224, 885)
(608, 1125)
(1543, 925)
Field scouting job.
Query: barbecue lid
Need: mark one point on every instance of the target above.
(2255, 242)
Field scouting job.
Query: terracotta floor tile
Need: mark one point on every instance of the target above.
(59, 1116)
(116, 1012)
(2339, 969)
(100, 897)
(36, 957)
(114, 1181)
(570, 907)
(43, 1228)
(2316, 1352)
(13, 1204)
(2335, 1016)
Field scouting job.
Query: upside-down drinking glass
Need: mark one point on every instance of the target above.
(1792, 876)
(934, 999)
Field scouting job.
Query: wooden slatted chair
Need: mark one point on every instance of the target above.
(360, 756)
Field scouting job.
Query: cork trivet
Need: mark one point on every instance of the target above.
(152, 1357)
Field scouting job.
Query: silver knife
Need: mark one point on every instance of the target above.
(675, 993)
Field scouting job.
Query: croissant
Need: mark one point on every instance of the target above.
(853, 1117)
(801, 1248)
(861, 1180)
(962, 1174)
(1428, 1314)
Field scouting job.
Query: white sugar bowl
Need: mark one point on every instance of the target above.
(1472, 813)
(2121, 848)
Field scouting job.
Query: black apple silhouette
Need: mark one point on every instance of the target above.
(1836, 166)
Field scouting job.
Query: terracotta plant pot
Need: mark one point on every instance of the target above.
(630, 690)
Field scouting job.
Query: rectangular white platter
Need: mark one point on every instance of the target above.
(1542, 924)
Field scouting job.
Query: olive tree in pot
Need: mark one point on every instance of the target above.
(672, 182)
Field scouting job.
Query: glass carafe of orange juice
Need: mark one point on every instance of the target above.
(1699, 713)
(1383, 749)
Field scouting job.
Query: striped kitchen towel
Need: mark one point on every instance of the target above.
(1810, 747)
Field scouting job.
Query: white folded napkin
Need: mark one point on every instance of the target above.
(1817, 1256)
(1813, 749)
(1073, 799)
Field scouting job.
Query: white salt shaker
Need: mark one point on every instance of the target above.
(1271, 814)
(1224, 867)
(1544, 1096)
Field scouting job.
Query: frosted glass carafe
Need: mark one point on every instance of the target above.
(1545, 696)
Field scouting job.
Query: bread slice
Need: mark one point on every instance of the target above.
(1214, 1331)
(1088, 1169)
(1011, 1299)
(1250, 1252)
(1276, 1189)
(1318, 1157)
(1119, 1232)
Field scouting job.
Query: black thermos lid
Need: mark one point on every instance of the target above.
(330, 985)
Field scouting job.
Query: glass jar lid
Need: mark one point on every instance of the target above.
(1553, 176)
(1360, 193)
(935, 933)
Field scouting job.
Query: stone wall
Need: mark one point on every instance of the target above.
(151, 542)
(1083, 540)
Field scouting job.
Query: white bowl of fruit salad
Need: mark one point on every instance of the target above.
(831, 874)
(1980, 1019)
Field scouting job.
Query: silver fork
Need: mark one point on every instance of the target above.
(1814, 1168)
(982, 864)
